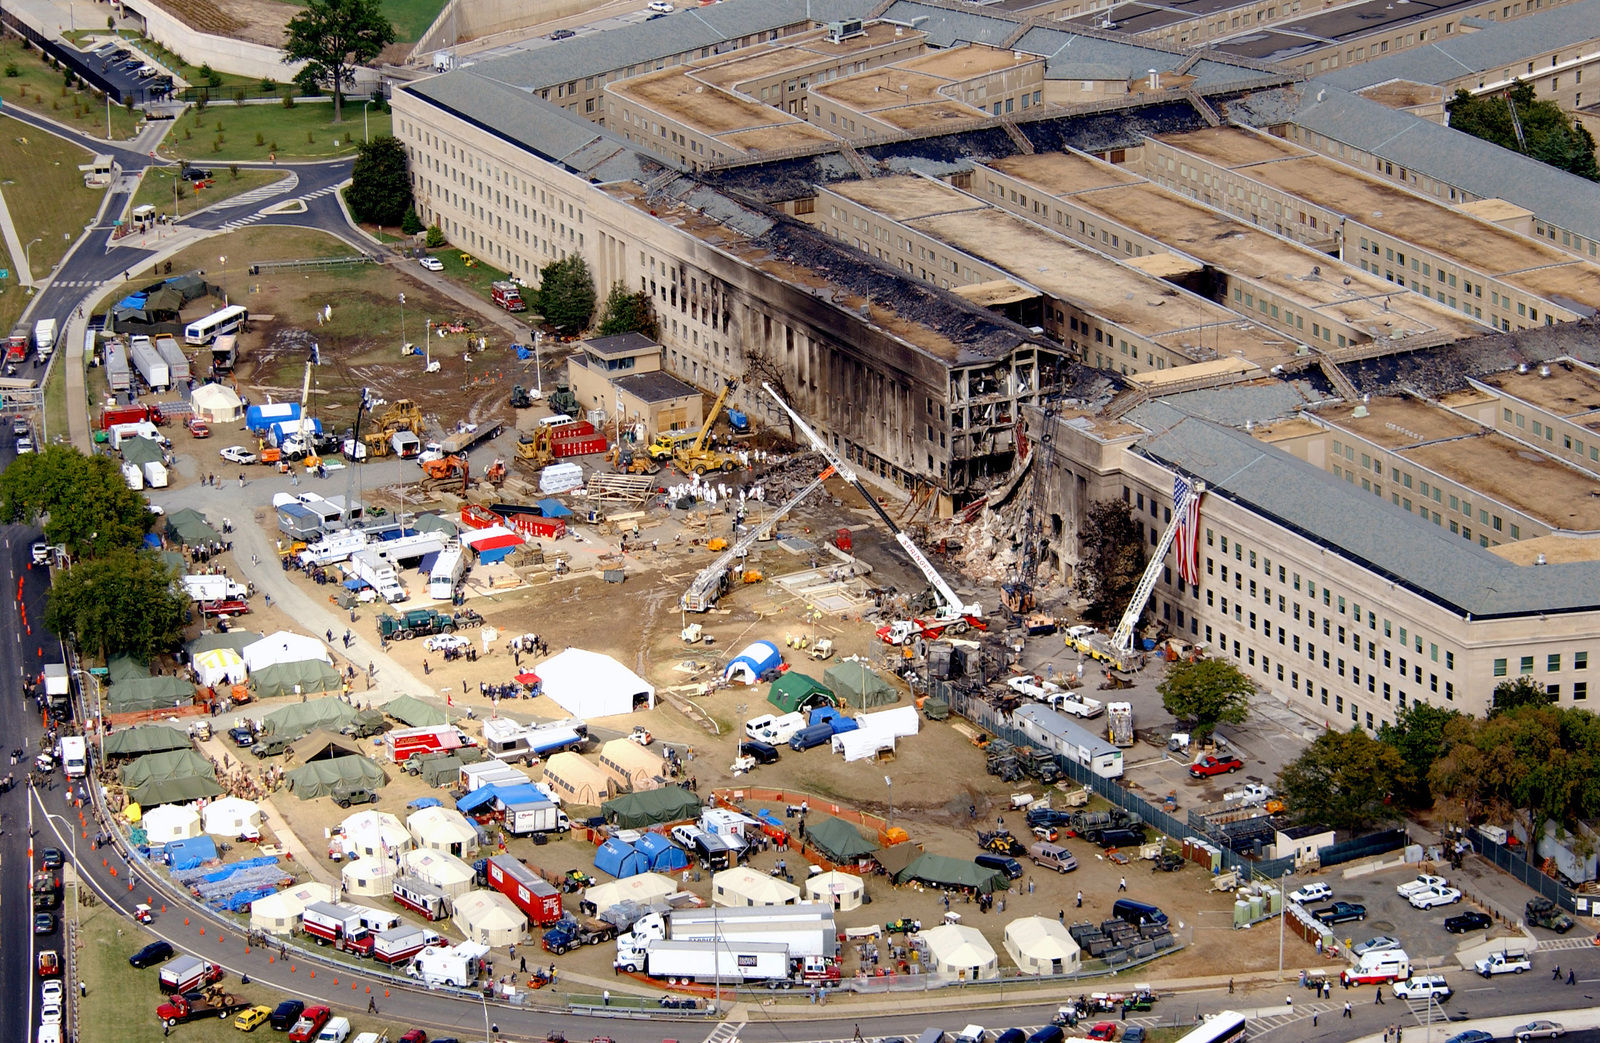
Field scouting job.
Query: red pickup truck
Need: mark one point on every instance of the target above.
(311, 1021)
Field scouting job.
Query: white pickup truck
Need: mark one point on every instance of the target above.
(1421, 883)
(1076, 705)
(1512, 961)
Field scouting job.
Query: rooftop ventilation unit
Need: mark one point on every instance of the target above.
(838, 32)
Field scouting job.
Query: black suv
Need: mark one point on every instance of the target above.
(155, 952)
(285, 1014)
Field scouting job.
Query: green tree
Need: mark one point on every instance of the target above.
(1517, 692)
(626, 312)
(333, 37)
(566, 294)
(435, 237)
(1418, 735)
(1536, 759)
(1206, 692)
(84, 500)
(410, 223)
(125, 601)
(380, 187)
(1517, 119)
(1112, 560)
(1343, 779)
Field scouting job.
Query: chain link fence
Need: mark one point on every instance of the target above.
(1513, 862)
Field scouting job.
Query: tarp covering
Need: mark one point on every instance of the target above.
(150, 738)
(318, 778)
(858, 686)
(793, 689)
(149, 693)
(140, 450)
(125, 668)
(172, 822)
(219, 666)
(652, 807)
(284, 647)
(189, 526)
(899, 722)
(237, 640)
(322, 745)
(620, 860)
(755, 660)
(191, 852)
(436, 523)
(311, 675)
(896, 857)
(414, 713)
(839, 840)
(644, 888)
(944, 871)
(664, 856)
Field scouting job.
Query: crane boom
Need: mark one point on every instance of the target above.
(702, 593)
(711, 417)
(951, 605)
(1122, 637)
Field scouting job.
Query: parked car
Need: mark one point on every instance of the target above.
(1461, 923)
(1429, 897)
(1380, 943)
(1208, 766)
(432, 264)
(242, 736)
(1420, 883)
(1341, 912)
(1317, 892)
(660, 6)
(285, 1014)
(1541, 1028)
(237, 454)
(154, 953)
(198, 428)
(562, 34)
(44, 923)
(51, 991)
(1471, 1036)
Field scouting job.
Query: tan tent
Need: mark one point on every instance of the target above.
(373, 877)
(577, 781)
(961, 952)
(642, 888)
(490, 918)
(1040, 945)
(842, 891)
(743, 886)
(440, 871)
(280, 913)
(631, 766)
(443, 829)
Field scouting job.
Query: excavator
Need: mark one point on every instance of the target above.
(695, 456)
(402, 415)
(445, 467)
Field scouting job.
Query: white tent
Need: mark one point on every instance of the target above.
(862, 744)
(587, 684)
(219, 666)
(443, 829)
(231, 816)
(743, 886)
(284, 647)
(490, 918)
(843, 891)
(216, 404)
(899, 721)
(375, 834)
(171, 822)
(373, 877)
(643, 888)
(961, 952)
(1040, 945)
(280, 913)
(440, 870)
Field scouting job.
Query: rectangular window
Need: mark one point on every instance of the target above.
(1552, 663)
(1580, 690)
(1527, 664)
(1580, 660)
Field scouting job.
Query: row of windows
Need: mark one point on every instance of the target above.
(1552, 663)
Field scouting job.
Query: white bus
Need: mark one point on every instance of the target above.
(1227, 1026)
(206, 330)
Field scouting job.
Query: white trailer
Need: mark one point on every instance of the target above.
(149, 363)
(133, 476)
(379, 573)
(798, 938)
(716, 961)
(213, 588)
(155, 474)
(490, 773)
(177, 362)
(118, 376)
(74, 756)
(402, 943)
(446, 575)
(538, 816)
(333, 547)
(44, 337)
(454, 966)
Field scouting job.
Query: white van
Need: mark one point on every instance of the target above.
(337, 1030)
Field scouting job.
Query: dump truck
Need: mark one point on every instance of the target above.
(416, 622)
(214, 1004)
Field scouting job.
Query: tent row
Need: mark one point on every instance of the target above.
(847, 684)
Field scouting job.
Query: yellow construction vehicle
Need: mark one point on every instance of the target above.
(533, 448)
(403, 415)
(695, 456)
(626, 460)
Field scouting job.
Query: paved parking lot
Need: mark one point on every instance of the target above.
(1420, 931)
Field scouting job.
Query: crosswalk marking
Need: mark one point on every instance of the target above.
(262, 194)
(725, 1032)
(1268, 1018)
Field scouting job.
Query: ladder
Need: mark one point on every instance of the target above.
(1122, 637)
(707, 586)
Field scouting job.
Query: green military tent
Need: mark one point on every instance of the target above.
(436, 523)
(651, 807)
(170, 778)
(413, 712)
(794, 690)
(174, 560)
(125, 667)
(318, 778)
(839, 840)
(439, 771)
(189, 527)
(312, 676)
(232, 640)
(140, 451)
(896, 857)
(300, 718)
(153, 738)
(149, 693)
(857, 686)
(942, 871)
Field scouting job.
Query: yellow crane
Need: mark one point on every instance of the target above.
(695, 456)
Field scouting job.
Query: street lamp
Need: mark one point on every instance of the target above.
(887, 781)
(1283, 915)
(366, 132)
(222, 278)
(403, 345)
(27, 258)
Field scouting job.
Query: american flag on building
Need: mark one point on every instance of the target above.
(1186, 542)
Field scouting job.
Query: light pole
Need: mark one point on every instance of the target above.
(887, 781)
(222, 278)
(366, 132)
(1283, 915)
(403, 345)
(27, 257)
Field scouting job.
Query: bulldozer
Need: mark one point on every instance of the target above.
(624, 460)
(403, 415)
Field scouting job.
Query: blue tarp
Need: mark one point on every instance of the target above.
(664, 855)
(152, 541)
(428, 562)
(249, 863)
(239, 901)
(187, 854)
(476, 799)
(523, 793)
(424, 802)
(132, 300)
(553, 508)
(495, 556)
(524, 352)
(620, 860)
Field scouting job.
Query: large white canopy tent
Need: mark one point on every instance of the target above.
(444, 872)
(280, 913)
(961, 952)
(1040, 945)
(743, 886)
(588, 684)
(171, 822)
(219, 666)
(216, 404)
(373, 877)
(231, 816)
(490, 918)
(284, 647)
(443, 829)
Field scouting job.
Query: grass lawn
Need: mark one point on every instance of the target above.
(13, 296)
(47, 95)
(44, 191)
(156, 188)
(55, 401)
(250, 132)
(481, 276)
(411, 18)
(122, 1001)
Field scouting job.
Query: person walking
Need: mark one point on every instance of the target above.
(372, 1004)
(1122, 884)
(1348, 1012)
(1379, 995)
(1080, 899)
(1572, 976)
(1555, 975)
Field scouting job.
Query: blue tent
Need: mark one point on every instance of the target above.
(152, 541)
(750, 665)
(523, 793)
(663, 854)
(620, 860)
(187, 854)
(830, 715)
(553, 508)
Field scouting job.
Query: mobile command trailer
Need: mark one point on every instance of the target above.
(506, 740)
(528, 891)
(448, 570)
(379, 573)
(213, 588)
(1058, 734)
(716, 961)
(149, 363)
(455, 966)
(402, 943)
(404, 743)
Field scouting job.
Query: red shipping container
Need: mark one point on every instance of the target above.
(526, 889)
(568, 430)
(577, 445)
(541, 528)
(109, 418)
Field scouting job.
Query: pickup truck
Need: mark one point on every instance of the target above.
(1428, 897)
(1341, 912)
(1421, 883)
(181, 1008)
(1512, 961)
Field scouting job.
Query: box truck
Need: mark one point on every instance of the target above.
(528, 891)
(44, 337)
(187, 973)
(337, 925)
(448, 569)
(402, 943)
(539, 816)
(455, 966)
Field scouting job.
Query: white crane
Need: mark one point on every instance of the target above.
(707, 586)
(951, 607)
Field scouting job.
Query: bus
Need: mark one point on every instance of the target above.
(203, 331)
(1227, 1026)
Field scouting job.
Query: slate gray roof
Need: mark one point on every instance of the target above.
(1446, 155)
(1491, 51)
(1130, 58)
(654, 387)
(620, 344)
(947, 28)
(1392, 543)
